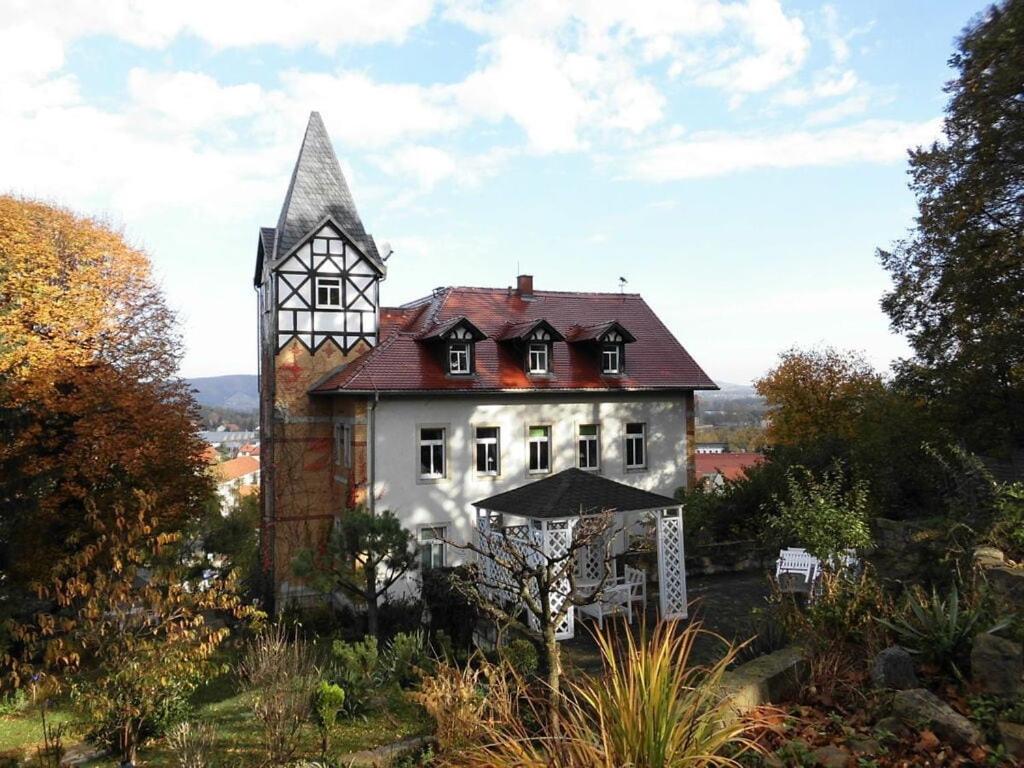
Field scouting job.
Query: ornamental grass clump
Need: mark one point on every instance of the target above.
(649, 709)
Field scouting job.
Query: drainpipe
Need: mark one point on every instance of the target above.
(371, 445)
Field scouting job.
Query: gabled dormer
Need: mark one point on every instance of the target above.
(535, 340)
(455, 341)
(608, 343)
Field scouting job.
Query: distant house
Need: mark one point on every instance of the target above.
(249, 449)
(712, 447)
(713, 469)
(237, 478)
(231, 439)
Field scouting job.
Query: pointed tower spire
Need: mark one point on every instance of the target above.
(318, 189)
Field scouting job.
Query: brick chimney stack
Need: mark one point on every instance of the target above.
(524, 286)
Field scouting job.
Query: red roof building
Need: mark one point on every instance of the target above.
(725, 466)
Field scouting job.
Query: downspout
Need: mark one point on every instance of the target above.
(372, 445)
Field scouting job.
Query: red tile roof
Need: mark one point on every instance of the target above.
(404, 363)
(732, 466)
(236, 468)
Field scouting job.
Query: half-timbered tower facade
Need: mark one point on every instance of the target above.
(428, 407)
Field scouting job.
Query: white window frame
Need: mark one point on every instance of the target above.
(432, 443)
(636, 437)
(432, 541)
(328, 283)
(542, 362)
(593, 441)
(487, 443)
(460, 350)
(614, 349)
(530, 441)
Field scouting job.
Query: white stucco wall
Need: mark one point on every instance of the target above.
(448, 501)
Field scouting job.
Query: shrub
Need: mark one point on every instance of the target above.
(281, 674)
(1007, 531)
(328, 698)
(191, 743)
(521, 655)
(445, 594)
(827, 515)
(651, 707)
(454, 697)
(400, 615)
(940, 630)
(404, 658)
(357, 668)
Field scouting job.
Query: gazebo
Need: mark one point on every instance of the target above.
(542, 517)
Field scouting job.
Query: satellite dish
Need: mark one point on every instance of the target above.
(386, 250)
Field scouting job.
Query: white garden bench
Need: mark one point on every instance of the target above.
(614, 600)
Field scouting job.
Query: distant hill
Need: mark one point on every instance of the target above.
(237, 392)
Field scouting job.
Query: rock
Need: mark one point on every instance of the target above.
(769, 679)
(83, 752)
(986, 557)
(919, 707)
(830, 757)
(1013, 738)
(1007, 582)
(864, 745)
(894, 668)
(997, 665)
(891, 727)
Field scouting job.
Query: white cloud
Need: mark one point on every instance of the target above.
(192, 100)
(716, 154)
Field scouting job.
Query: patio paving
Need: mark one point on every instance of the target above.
(721, 602)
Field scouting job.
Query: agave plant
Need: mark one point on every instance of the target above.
(939, 630)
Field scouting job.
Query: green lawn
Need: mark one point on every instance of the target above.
(221, 704)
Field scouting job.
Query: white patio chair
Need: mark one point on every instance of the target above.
(797, 562)
(615, 600)
(637, 580)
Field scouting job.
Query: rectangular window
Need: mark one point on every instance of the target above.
(342, 445)
(589, 446)
(611, 361)
(328, 292)
(636, 446)
(432, 452)
(488, 451)
(538, 358)
(540, 449)
(458, 357)
(431, 544)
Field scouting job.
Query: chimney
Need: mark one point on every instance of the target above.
(524, 286)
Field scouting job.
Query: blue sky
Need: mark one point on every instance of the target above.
(737, 162)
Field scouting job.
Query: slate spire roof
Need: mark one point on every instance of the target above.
(317, 190)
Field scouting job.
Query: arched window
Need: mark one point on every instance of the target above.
(460, 352)
(612, 352)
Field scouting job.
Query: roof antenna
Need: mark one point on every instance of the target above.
(622, 285)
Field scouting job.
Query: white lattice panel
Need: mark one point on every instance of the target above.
(671, 564)
(557, 542)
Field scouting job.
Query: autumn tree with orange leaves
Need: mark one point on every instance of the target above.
(91, 413)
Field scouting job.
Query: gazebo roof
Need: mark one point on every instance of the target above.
(573, 492)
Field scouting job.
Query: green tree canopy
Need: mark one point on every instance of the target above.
(958, 279)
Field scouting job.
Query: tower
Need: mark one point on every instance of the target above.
(317, 276)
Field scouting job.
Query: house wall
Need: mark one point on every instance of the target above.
(448, 501)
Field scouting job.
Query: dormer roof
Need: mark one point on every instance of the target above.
(523, 330)
(441, 330)
(597, 332)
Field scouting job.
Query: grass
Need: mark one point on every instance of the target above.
(221, 704)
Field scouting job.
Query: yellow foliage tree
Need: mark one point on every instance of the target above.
(817, 394)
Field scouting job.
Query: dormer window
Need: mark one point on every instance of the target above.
(538, 352)
(611, 353)
(328, 292)
(460, 352)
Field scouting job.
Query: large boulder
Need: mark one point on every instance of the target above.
(1013, 738)
(997, 665)
(919, 707)
(770, 679)
(830, 756)
(894, 668)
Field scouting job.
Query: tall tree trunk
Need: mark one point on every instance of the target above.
(553, 665)
(370, 594)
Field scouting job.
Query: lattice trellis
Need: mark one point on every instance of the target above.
(590, 563)
(671, 564)
(557, 540)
